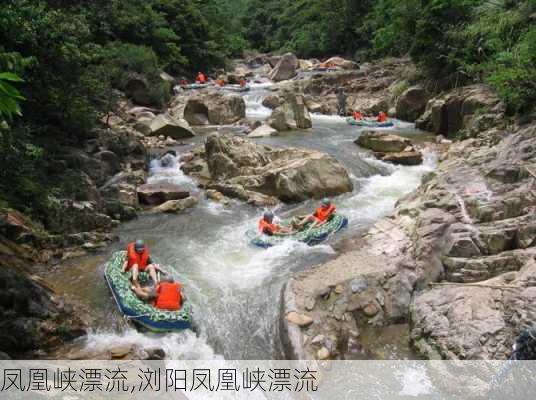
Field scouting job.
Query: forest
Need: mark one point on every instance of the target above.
(63, 61)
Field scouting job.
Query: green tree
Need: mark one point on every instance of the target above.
(10, 97)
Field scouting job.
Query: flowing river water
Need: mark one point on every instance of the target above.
(235, 288)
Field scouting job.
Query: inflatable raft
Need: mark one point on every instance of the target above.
(196, 86)
(137, 310)
(310, 236)
(369, 123)
(236, 88)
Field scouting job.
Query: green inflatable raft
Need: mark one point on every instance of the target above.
(310, 236)
(138, 310)
(369, 123)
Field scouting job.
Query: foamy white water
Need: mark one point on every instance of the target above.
(235, 287)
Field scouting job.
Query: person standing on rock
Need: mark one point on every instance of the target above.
(341, 102)
(138, 260)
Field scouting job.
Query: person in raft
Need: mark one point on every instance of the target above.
(167, 295)
(201, 78)
(138, 260)
(321, 215)
(357, 116)
(268, 227)
(382, 117)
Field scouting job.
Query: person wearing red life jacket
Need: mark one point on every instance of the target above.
(382, 117)
(321, 215)
(167, 295)
(268, 227)
(201, 78)
(358, 116)
(138, 260)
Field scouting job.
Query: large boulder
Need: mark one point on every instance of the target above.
(263, 131)
(215, 108)
(390, 148)
(296, 112)
(285, 68)
(411, 103)
(460, 109)
(291, 114)
(171, 127)
(382, 142)
(288, 174)
(342, 63)
(68, 216)
(33, 317)
(410, 157)
(137, 88)
(158, 193)
(175, 206)
(278, 120)
(272, 101)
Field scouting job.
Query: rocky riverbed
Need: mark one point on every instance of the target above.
(455, 259)
(469, 222)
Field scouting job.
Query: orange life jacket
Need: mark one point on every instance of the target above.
(135, 258)
(168, 296)
(201, 78)
(382, 117)
(266, 227)
(358, 116)
(242, 82)
(322, 214)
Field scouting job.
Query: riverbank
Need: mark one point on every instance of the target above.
(471, 221)
(236, 290)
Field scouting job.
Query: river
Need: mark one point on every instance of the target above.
(235, 288)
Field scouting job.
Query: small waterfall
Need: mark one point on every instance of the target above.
(254, 98)
(167, 168)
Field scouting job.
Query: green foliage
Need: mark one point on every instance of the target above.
(73, 55)
(9, 96)
(310, 28)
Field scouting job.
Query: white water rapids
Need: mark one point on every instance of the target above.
(235, 288)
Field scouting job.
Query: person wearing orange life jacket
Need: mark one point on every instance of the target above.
(268, 227)
(321, 215)
(358, 116)
(138, 260)
(201, 78)
(382, 117)
(167, 295)
(243, 82)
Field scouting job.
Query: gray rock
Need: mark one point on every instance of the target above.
(215, 108)
(285, 68)
(411, 103)
(158, 193)
(174, 128)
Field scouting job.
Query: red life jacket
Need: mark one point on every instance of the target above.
(382, 117)
(168, 296)
(322, 214)
(135, 258)
(358, 116)
(201, 78)
(266, 227)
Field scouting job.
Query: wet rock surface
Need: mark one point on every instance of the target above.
(214, 108)
(390, 148)
(158, 193)
(471, 222)
(261, 174)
